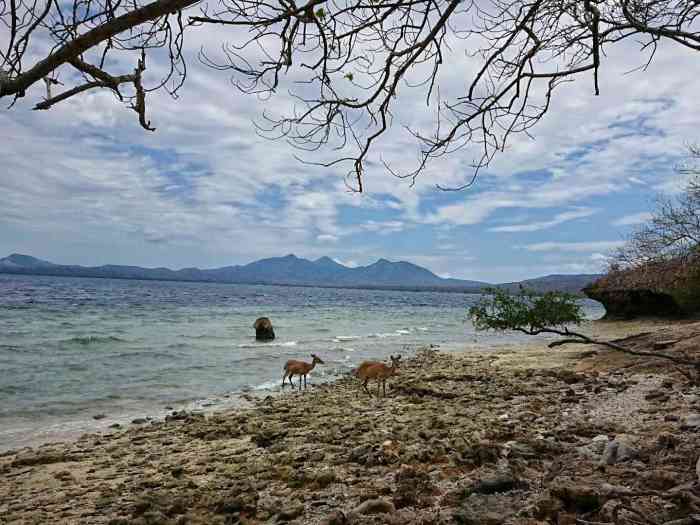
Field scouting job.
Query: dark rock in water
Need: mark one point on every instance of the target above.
(263, 329)
(97, 417)
(177, 416)
(139, 421)
(115, 425)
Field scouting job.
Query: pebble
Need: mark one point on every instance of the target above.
(374, 506)
(619, 450)
(691, 422)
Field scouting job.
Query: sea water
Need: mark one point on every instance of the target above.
(75, 348)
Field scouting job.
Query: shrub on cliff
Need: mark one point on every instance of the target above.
(673, 231)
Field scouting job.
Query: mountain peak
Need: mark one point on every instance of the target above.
(26, 261)
(327, 261)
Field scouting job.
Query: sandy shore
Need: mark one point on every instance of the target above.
(520, 435)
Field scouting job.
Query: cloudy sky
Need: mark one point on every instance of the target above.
(84, 184)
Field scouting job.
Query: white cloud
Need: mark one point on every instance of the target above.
(633, 219)
(574, 246)
(543, 225)
(324, 237)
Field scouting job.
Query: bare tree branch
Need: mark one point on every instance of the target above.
(346, 62)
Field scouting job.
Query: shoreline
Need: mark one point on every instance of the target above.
(467, 290)
(460, 438)
(232, 401)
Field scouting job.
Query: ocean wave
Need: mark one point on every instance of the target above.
(204, 336)
(175, 346)
(93, 339)
(13, 389)
(264, 345)
(141, 354)
(403, 331)
(384, 335)
(341, 338)
(268, 385)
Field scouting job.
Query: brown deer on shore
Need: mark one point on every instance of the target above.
(378, 371)
(299, 368)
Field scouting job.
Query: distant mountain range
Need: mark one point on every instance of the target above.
(293, 270)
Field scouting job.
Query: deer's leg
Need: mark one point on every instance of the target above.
(304, 381)
(384, 386)
(300, 377)
(364, 385)
(284, 377)
(290, 380)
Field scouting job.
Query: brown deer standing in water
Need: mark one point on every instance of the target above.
(379, 371)
(299, 368)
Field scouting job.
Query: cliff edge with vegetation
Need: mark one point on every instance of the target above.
(669, 289)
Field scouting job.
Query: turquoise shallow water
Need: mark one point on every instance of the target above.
(72, 348)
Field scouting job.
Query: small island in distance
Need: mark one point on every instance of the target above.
(291, 270)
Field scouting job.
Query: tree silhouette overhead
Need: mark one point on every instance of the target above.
(350, 60)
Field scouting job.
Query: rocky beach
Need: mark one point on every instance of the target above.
(520, 435)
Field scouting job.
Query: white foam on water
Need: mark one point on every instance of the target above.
(263, 345)
(268, 385)
(339, 338)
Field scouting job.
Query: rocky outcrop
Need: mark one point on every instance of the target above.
(263, 329)
(668, 289)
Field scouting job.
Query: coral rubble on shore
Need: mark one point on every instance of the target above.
(477, 438)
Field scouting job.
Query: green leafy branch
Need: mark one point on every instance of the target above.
(551, 313)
